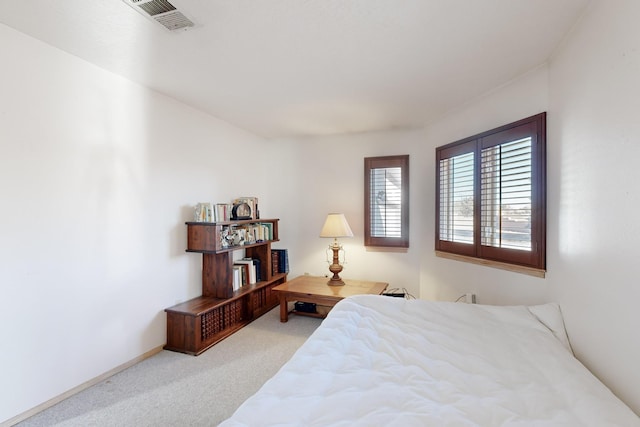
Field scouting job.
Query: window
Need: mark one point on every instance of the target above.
(491, 195)
(386, 200)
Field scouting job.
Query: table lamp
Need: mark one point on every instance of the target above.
(336, 226)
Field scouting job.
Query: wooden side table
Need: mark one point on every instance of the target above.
(313, 289)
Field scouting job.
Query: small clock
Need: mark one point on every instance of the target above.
(241, 211)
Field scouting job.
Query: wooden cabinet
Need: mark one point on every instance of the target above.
(197, 324)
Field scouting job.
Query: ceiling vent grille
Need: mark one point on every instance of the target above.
(162, 12)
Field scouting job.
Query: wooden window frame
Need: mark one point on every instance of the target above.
(371, 163)
(535, 258)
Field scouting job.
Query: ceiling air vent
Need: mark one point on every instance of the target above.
(162, 12)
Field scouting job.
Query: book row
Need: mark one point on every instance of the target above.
(248, 271)
(279, 261)
(239, 208)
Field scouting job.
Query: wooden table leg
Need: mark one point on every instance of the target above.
(284, 308)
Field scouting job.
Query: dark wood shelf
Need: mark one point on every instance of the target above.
(230, 248)
(219, 337)
(195, 325)
(234, 222)
(247, 289)
(199, 305)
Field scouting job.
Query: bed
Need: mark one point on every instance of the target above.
(381, 361)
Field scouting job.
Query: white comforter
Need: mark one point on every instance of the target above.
(380, 361)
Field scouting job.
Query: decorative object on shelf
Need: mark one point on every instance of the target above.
(241, 211)
(252, 205)
(226, 238)
(238, 236)
(335, 226)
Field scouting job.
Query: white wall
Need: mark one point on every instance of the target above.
(594, 148)
(97, 176)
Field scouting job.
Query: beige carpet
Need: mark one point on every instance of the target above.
(173, 389)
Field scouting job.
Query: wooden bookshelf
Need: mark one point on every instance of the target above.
(196, 325)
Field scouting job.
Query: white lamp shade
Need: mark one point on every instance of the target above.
(336, 225)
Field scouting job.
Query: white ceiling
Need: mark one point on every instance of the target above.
(310, 67)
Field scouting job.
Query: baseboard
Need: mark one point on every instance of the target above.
(49, 403)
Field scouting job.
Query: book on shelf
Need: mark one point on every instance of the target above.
(249, 270)
(244, 273)
(223, 212)
(258, 265)
(279, 261)
(210, 212)
(204, 212)
(267, 230)
(275, 262)
(284, 260)
(256, 233)
(237, 277)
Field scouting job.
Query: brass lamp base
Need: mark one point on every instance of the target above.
(335, 267)
(335, 282)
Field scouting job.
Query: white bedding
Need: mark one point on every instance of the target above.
(380, 361)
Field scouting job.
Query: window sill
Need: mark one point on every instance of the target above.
(495, 264)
